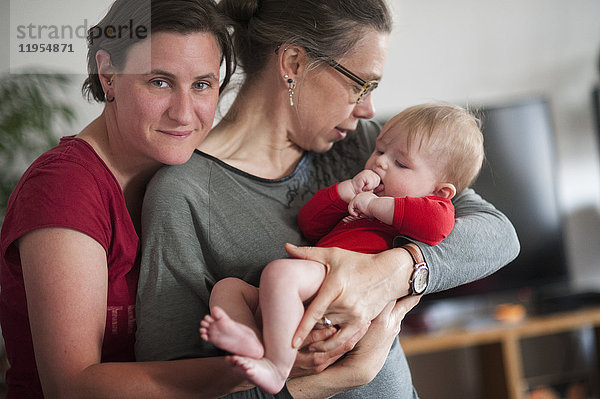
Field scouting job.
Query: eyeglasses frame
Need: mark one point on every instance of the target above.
(367, 86)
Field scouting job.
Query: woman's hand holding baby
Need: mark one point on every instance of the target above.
(310, 361)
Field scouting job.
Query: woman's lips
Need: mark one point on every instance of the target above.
(341, 134)
(177, 133)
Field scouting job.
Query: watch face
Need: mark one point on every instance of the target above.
(420, 279)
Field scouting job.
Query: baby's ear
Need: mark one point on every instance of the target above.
(445, 190)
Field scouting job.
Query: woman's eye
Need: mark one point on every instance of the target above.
(159, 83)
(201, 85)
(356, 89)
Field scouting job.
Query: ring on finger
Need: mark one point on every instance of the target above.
(326, 322)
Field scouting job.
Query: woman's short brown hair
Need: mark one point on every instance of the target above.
(130, 21)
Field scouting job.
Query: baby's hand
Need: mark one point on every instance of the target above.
(366, 180)
(359, 205)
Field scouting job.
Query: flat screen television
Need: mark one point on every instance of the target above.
(519, 177)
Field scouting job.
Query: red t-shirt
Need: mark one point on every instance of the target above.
(68, 186)
(426, 219)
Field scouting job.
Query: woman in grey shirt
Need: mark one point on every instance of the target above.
(296, 126)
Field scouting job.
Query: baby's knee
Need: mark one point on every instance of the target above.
(229, 284)
(279, 270)
(232, 287)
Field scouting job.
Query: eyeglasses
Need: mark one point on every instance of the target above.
(366, 86)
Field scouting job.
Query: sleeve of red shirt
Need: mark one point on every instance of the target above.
(426, 219)
(321, 213)
(57, 194)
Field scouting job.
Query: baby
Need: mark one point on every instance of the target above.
(423, 157)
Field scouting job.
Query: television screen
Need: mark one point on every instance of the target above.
(519, 177)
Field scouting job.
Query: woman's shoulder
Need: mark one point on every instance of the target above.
(189, 181)
(67, 186)
(193, 171)
(70, 150)
(72, 161)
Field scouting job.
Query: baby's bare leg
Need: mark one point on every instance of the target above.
(231, 326)
(285, 285)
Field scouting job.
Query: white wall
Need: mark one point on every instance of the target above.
(470, 52)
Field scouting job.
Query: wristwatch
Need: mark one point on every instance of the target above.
(419, 278)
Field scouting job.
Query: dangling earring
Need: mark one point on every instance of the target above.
(109, 99)
(291, 87)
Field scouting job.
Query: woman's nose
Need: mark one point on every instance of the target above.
(181, 109)
(366, 108)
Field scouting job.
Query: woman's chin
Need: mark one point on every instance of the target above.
(175, 157)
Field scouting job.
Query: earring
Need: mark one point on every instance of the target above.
(291, 87)
(109, 99)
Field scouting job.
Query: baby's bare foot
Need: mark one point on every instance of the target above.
(231, 336)
(261, 372)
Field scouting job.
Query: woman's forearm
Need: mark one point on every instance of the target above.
(189, 378)
(483, 240)
(66, 301)
(326, 384)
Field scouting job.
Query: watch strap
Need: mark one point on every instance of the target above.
(415, 253)
(419, 264)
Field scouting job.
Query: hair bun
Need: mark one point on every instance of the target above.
(240, 12)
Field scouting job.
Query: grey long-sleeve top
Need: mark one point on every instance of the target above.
(205, 220)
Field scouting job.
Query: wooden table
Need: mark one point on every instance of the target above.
(500, 346)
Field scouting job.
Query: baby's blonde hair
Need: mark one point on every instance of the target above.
(452, 132)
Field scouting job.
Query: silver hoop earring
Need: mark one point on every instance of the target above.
(291, 87)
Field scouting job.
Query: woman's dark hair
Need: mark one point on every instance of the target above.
(326, 29)
(130, 21)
